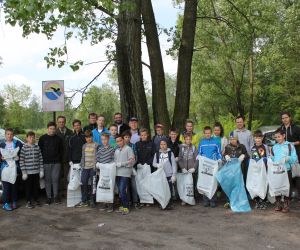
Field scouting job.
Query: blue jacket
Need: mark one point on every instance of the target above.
(281, 151)
(97, 135)
(210, 148)
(4, 164)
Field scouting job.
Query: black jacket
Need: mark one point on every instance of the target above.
(52, 148)
(174, 146)
(90, 127)
(65, 137)
(123, 128)
(145, 152)
(292, 134)
(75, 147)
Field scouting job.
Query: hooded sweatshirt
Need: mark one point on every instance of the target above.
(281, 153)
(169, 165)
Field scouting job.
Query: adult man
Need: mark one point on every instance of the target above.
(189, 129)
(135, 132)
(99, 130)
(118, 119)
(92, 122)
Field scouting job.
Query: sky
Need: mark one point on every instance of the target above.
(23, 58)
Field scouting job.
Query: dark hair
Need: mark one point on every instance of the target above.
(258, 133)
(188, 135)
(279, 131)
(144, 130)
(30, 133)
(207, 128)
(76, 121)
(118, 113)
(188, 121)
(61, 117)
(119, 136)
(113, 125)
(175, 130)
(92, 114)
(9, 130)
(126, 133)
(88, 133)
(106, 135)
(51, 124)
(240, 117)
(100, 116)
(285, 113)
(219, 125)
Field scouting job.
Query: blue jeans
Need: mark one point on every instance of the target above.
(122, 187)
(9, 192)
(86, 176)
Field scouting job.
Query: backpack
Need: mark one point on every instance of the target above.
(169, 156)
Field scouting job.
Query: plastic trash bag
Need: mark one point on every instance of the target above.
(75, 175)
(257, 183)
(207, 183)
(73, 197)
(157, 185)
(231, 180)
(296, 170)
(9, 172)
(278, 179)
(142, 172)
(185, 188)
(106, 183)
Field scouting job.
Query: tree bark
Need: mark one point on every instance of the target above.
(159, 99)
(251, 82)
(185, 57)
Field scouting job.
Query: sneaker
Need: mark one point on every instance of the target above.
(257, 205)
(213, 204)
(14, 205)
(103, 207)
(183, 203)
(227, 205)
(7, 207)
(137, 205)
(57, 201)
(278, 206)
(92, 204)
(206, 203)
(120, 210)
(29, 205)
(125, 211)
(38, 203)
(286, 206)
(110, 208)
(263, 206)
(48, 202)
(81, 204)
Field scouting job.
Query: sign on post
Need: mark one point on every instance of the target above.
(53, 96)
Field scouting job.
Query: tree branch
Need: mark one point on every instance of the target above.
(101, 8)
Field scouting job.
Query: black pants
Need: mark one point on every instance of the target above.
(32, 185)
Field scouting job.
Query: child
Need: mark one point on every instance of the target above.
(10, 190)
(164, 158)
(259, 151)
(209, 148)
(283, 152)
(124, 159)
(113, 129)
(187, 157)
(105, 154)
(159, 134)
(219, 136)
(88, 164)
(31, 164)
(174, 142)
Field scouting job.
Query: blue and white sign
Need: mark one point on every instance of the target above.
(53, 96)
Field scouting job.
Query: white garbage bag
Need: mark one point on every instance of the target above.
(157, 185)
(75, 177)
(296, 170)
(185, 188)
(207, 183)
(73, 197)
(9, 172)
(278, 179)
(141, 173)
(106, 183)
(257, 183)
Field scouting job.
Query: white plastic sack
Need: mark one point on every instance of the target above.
(42, 183)
(157, 185)
(73, 197)
(75, 175)
(278, 179)
(106, 183)
(207, 183)
(142, 172)
(257, 183)
(9, 173)
(296, 170)
(185, 188)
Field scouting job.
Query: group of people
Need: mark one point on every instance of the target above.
(129, 146)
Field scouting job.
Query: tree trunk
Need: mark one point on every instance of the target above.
(159, 99)
(251, 91)
(185, 57)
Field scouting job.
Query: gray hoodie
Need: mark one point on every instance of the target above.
(187, 157)
(122, 157)
(170, 169)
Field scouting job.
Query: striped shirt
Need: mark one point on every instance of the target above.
(31, 160)
(105, 154)
(88, 159)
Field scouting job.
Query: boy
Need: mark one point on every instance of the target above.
(97, 132)
(10, 189)
(283, 152)
(105, 154)
(259, 151)
(31, 164)
(159, 135)
(174, 142)
(209, 147)
(88, 164)
(113, 129)
(124, 159)
(52, 149)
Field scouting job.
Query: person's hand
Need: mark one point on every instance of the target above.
(24, 177)
(191, 170)
(227, 158)
(184, 171)
(41, 174)
(173, 179)
(16, 158)
(131, 160)
(241, 157)
(134, 172)
(119, 164)
(98, 165)
(71, 163)
(176, 159)
(287, 159)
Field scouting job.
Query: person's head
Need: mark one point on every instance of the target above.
(118, 118)
(92, 118)
(30, 137)
(61, 121)
(233, 139)
(188, 139)
(173, 134)
(218, 129)
(120, 141)
(207, 132)
(240, 122)
(9, 134)
(105, 139)
(133, 123)
(88, 136)
(189, 126)
(286, 118)
(100, 121)
(159, 129)
(51, 127)
(126, 136)
(144, 134)
(76, 125)
(113, 129)
(163, 145)
(279, 136)
(258, 137)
